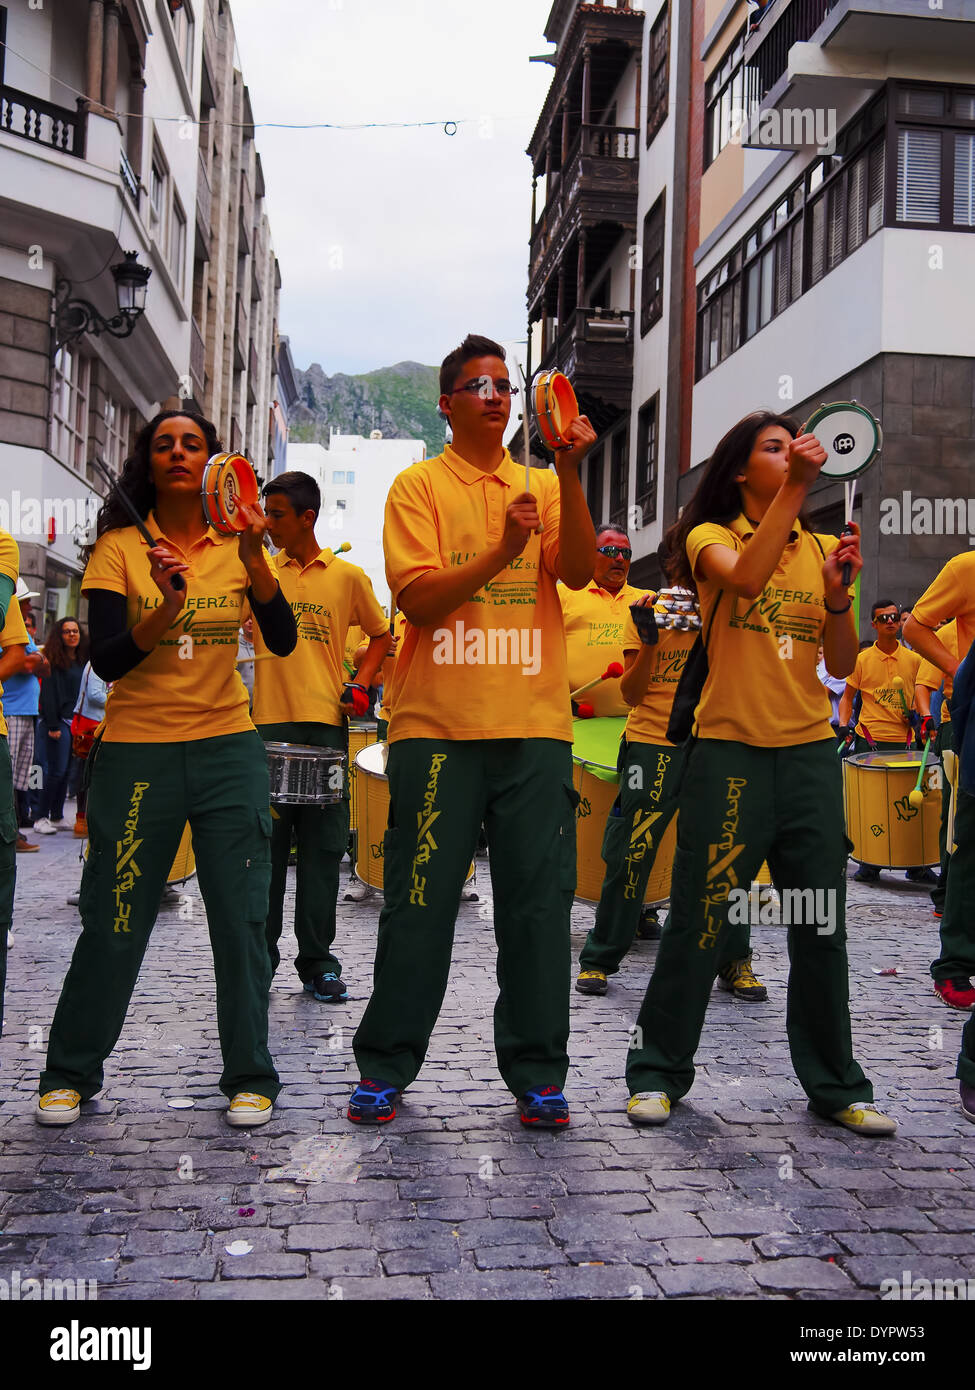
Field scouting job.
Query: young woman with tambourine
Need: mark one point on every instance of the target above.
(178, 745)
(762, 780)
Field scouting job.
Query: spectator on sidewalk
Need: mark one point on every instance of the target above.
(67, 650)
(21, 694)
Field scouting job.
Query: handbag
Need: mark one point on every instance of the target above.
(82, 727)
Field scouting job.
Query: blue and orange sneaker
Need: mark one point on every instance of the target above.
(544, 1106)
(373, 1103)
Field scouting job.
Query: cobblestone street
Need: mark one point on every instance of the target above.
(744, 1194)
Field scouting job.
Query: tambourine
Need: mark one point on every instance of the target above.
(851, 436)
(678, 609)
(229, 482)
(554, 407)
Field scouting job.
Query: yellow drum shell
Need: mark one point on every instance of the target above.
(373, 803)
(228, 481)
(361, 735)
(555, 406)
(885, 828)
(184, 865)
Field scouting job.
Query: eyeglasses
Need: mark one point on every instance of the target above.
(484, 386)
(887, 618)
(623, 551)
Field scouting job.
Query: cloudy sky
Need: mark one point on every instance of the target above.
(394, 244)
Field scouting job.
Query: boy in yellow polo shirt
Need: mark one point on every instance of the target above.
(481, 731)
(305, 698)
(884, 674)
(595, 619)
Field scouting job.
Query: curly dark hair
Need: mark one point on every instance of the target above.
(135, 478)
(718, 496)
(58, 653)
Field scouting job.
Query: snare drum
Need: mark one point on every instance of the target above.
(885, 828)
(305, 776)
(362, 733)
(228, 482)
(373, 804)
(184, 865)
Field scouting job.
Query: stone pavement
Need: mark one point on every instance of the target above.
(744, 1194)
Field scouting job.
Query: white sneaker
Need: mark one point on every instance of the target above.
(357, 891)
(10, 938)
(74, 898)
(63, 824)
(44, 827)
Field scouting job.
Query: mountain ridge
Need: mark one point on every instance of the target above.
(400, 400)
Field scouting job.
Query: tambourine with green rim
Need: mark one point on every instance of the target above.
(851, 436)
(554, 407)
(229, 483)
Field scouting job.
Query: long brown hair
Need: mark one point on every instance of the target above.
(718, 495)
(58, 653)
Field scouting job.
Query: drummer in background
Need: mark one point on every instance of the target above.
(882, 711)
(595, 618)
(386, 676)
(761, 780)
(651, 769)
(480, 730)
(178, 745)
(932, 699)
(306, 699)
(952, 595)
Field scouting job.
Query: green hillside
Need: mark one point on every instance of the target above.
(400, 401)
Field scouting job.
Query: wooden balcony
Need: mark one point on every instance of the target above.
(598, 184)
(595, 351)
(55, 127)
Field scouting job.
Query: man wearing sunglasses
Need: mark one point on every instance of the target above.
(479, 732)
(884, 722)
(594, 619)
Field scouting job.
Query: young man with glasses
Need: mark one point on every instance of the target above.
(595, 618)
(884, 722)
(481, 731)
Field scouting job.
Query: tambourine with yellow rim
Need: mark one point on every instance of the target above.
(229, 482)
(554, 407)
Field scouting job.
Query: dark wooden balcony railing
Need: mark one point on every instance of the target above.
(41, 121)
(595, 349)
(602, 161)
(767, 52)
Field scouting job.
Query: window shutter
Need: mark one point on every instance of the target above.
(919, 176)
(875, 189)
(856, 204)
(964, 200)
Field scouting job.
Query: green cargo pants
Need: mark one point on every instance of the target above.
(440, 791)
(738, 805)
(140, 798)
(323, 835)
(939, 891)
(8, 860)
(957, 958)
(650, 777)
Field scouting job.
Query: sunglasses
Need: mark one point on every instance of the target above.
(887, 618)
(623, 551)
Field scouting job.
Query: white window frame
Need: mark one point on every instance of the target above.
(70, 400)
(177, 242)
(159, 211)
(117, 424)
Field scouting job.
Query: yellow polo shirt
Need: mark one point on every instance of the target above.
(762, 686)
(9, 557)
(594, 624)
(951, 595)
(932, 676)
(389, 668)
(326, 596)
(647, 722)
(882, 711)
(14, 634)
(188, 686)
(495, 667)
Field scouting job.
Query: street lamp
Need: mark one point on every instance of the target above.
(73, 318)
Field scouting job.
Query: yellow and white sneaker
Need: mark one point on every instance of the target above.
(864, 1118)
(246, 1108)
(649, 1108)
(592, 982)
(58, 1108)
(740, 980)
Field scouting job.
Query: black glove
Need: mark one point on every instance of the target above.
(645, 622)
(847, 732)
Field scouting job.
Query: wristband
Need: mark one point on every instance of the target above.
(849, 605)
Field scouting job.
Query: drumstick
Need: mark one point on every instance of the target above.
(177, 579)
(613, 670)
(525, 427)
(849, 489)
(916, 797)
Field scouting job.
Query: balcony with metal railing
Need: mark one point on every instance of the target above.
(598, 184)
(594, 348)
(809, 56)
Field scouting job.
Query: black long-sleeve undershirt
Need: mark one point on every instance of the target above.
(113, 649)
